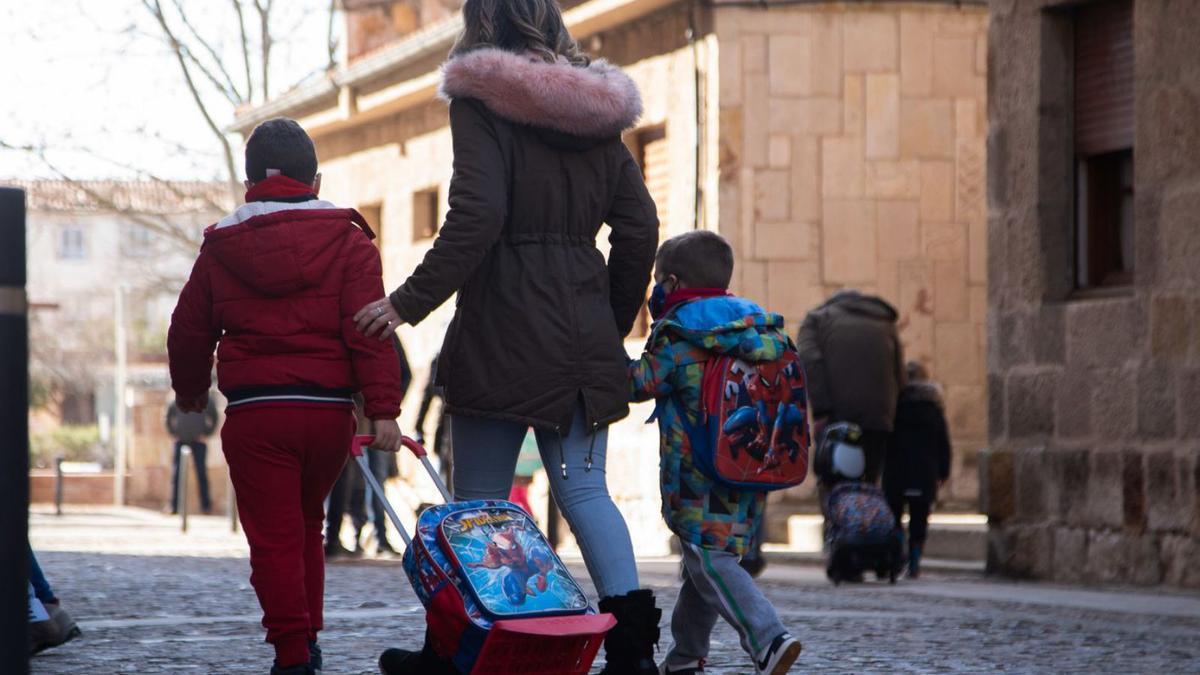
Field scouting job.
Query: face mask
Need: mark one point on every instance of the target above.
(657, 304)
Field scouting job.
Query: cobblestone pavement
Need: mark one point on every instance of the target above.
(151, 600)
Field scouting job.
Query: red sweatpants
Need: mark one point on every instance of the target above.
(283, 462)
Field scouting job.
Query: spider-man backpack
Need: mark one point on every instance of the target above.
(752, 431)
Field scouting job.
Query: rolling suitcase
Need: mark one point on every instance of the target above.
(498, 599)
(862, 534)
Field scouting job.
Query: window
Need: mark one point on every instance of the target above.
(425, 214)
(1103, 134)
(139, 241)
(650, 148)
(373, 214)
(656, 169)
(70, 243)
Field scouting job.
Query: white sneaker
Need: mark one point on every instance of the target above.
(685, 669)
(779, 657)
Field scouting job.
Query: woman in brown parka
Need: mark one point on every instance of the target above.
(536, 338)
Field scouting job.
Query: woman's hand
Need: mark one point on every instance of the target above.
(378, 319)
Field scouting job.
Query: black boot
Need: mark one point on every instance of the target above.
(629, 646)
(425, 662)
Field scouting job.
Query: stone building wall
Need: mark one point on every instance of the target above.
(1093, 472)
(852, 155)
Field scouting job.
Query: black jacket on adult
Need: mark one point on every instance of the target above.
(853, 363)
(919, 453)
(539, 166)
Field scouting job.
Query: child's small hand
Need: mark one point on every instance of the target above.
(387, 436)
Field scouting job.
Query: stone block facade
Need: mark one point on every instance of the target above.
(1093, 468)
(868, 172)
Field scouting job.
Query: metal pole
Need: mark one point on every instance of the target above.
(119, 384)
(185, 459)
(58, 486)
(14, 436)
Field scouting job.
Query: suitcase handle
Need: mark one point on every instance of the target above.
(356, 451)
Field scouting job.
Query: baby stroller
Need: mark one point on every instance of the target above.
(860, 531)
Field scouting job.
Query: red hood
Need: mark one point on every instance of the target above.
(285, 249)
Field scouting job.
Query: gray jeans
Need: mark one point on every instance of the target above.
(485, 458)
(715, 585)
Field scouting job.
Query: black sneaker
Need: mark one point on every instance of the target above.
(779, 657)
(301, 669)
(336, 550)
(314, 657)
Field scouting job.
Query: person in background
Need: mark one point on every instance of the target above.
(49, 624)
(918, 458)
(529, 462)
(191, 429)
(351, 492)
(853, 365)
(341, 502)
(442, 446)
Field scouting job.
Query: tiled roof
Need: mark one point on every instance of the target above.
(151, 197)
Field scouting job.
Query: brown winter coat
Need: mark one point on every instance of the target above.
(538, 167)
(853, 361)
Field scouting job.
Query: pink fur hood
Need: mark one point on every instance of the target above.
(597, 101)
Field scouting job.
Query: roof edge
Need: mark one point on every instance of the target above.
(582, 20)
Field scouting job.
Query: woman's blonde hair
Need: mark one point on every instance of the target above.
(518, 26)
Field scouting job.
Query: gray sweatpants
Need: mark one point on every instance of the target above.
(715, 585)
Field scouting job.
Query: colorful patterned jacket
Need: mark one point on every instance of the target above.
(697, 509)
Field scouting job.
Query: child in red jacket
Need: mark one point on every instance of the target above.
(274, 289)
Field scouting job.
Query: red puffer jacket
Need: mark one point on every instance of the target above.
(277, 285)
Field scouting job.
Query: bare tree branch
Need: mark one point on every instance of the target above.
(330, 42)
(157, 223)
(155, 8)
(263, 7)
(241, 19)
(227, 86)
(230, 95)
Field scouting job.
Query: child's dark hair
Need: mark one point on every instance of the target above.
(700, 259)
(280, 144)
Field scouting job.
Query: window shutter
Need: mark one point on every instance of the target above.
(1103, 77)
